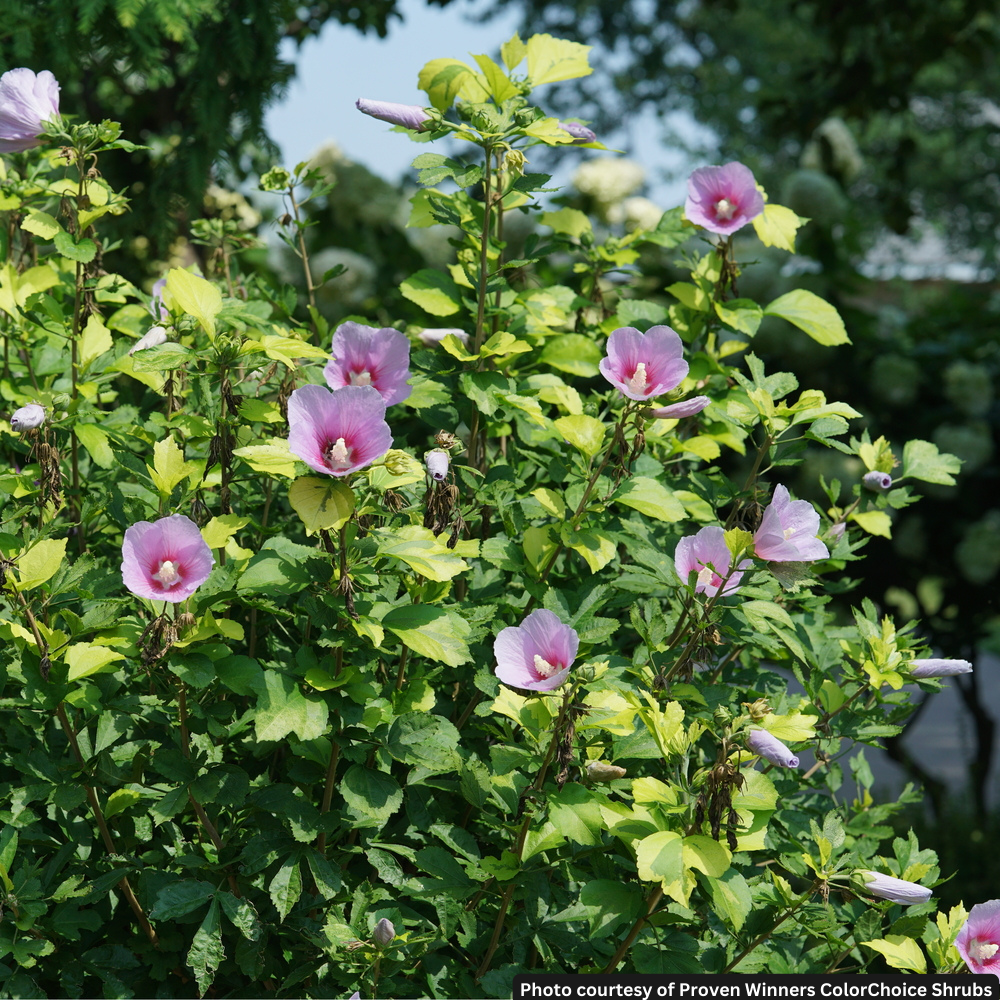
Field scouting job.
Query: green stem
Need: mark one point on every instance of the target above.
(763, 937)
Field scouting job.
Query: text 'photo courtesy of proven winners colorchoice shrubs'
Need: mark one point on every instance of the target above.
(402, 658)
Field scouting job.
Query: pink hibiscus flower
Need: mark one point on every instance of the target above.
(723, 199)
(165, 560)
(27, 101)
(337, 432)
(643, 365)
(978, 942)
(537, 654)
(364, 355)
(707, 554)
(788, 531)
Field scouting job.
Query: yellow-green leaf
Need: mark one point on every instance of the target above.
(875, 522)
(169, 466)
(442, 80)
(707, 855)
(776, 227)
(570, 221)
(660, 857)
(434, 291)
(16, 288)
(500, 85)
(791, 727)
(648, 497)
(95, 440)
(119, 800)
(513, 51)
(322, 504)
(85, 659)
(41, 224)
(96, 339)
(271, 457)
(812, 314)
(40, 562)
(420, 549)
(899, 952)
(597, 549)
(220, 529)
(584, 433)
(193, 295)
(287, 349)
(553, 59)
(551, 501)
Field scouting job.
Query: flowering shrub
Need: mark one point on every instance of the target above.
(405, 728)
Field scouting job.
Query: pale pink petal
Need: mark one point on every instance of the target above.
(165, 560)
(723, 199)
(707, 554)
(788, 531)
(939, 668)
(978, 942)
(27, 101)
(364, 355)
(540, 637)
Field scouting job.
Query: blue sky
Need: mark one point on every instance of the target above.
(343, 65)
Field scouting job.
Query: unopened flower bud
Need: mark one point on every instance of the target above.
(878, 482)
(434, 335)
(758, 709)
(761, 742)
(384, 931)
(276, 179)
(398, 462)
(514, 162)
(685, 408)
(156, 336)
(437, 462)
(28, 417)
(581, 134)
(897, 890)
(939, 668)
(408, 115)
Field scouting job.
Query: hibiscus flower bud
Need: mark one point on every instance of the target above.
(581, 134)
(897, 890)
(28, 417)
(153, 338)
(384, 931)
(878, 482)
(408, 115)
(921, 669)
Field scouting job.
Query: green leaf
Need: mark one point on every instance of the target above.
(286, 887)
(500, 85)
(741, 314)
(731, 898)
(513, 51)
(119, 800)
(193, 295)
(41, 224)
(372, 796)
(553, 59)
(576, 813)
(426, 740)
(922, 460)
(570, 221)
(433, 632)
(776, 226)
(572, 353)
(242, 914)
(179, 898)
(442, 80)
(875, 522)
(597, 549)
(899, 952)
(650, 498)
(220, 529)
(812, 314)
(584, 433)
(15, 289)
(420, 549)
(659, 857)
(85, 659)
(40, 562)
(434, 291)
(206, 952)
(707, 855)
(82, 251)
(95, 440)
(272, 458)
(282, 709)
(322, 504)
(94, 341)
(169, 467)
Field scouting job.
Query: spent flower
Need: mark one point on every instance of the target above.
(165, 560)
(707, 554)
(762, 743)
(537, 654)
(643, 365)
(788, 531)
(27, 101)
(978, 941)
(337, 432)
(723, 199)
(28, 417)
(364, 355)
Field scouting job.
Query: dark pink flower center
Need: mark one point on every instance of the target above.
(545, 669)
(725, 209)
(168, 574)
(337, 454)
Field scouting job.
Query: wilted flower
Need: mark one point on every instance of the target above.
(685, 408)
(897, 890)
(762, 743)
(581, 134)
(643, 365)
(537, 654)
(337, 432)
(601, 770)
(27, 101)
(978, 942)
(707, 554)
(434, 335)
(27, 417)
(364, 355)
(788, 531)
(408, 115)
(921, 669)
(437, 462)
(165, 560)
(153, 338)
(878, 482)
(723, 199)
(384, 931)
